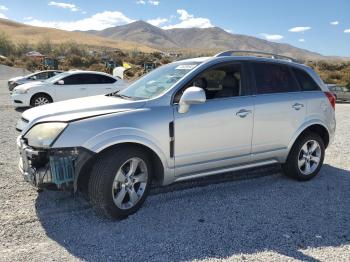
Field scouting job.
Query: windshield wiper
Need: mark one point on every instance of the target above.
(122, 96)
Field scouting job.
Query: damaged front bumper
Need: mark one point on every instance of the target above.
(51, 168)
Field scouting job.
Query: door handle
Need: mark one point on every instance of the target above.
(108, 88)
(297, 106)
(243, 113)
(82, 88)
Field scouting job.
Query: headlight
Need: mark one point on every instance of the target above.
(43, 135)
(20, 91)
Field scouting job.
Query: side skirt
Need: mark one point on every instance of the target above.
(224, 170)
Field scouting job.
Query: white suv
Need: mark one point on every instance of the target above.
(67, 85)
(184, 120)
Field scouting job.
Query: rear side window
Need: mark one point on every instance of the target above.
(105, 79)
(98, 79)
(274, 78)
(305, 80)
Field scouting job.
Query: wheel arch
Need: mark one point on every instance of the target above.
(158, 168)
(39, 93)
(315, 127)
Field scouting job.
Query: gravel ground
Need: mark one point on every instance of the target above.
(267, 218)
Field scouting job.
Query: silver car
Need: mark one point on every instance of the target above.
(341, 93)
(37, 76)
(185, 120)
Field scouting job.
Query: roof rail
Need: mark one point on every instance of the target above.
(257, 53)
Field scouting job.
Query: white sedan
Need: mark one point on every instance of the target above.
(67, 85)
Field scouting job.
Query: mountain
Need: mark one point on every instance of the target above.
(33, 34)
(139, 32)
(203, 39)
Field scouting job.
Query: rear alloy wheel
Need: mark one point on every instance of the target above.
(305, 158)
(119, 182)
(40, 99)
(309, 157)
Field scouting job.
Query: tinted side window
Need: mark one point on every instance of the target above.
(105, 79)
(77, 79)
(91, 79)
(305, 80)
(274, 78)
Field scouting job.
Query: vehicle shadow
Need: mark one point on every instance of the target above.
(271, 213)
(21, 109)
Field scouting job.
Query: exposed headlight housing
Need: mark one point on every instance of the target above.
(43, 135)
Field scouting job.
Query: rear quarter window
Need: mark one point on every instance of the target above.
(274, 78)
(305, 80)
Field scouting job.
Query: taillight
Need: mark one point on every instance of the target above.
(331, 99)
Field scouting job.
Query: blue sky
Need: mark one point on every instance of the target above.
(322, 26)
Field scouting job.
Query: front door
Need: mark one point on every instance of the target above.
(216, 134)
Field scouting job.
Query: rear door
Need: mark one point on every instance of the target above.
(74, 87)
(280, 108)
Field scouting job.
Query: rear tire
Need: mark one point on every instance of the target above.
(40, 99)
(119, 182)
(305, 158)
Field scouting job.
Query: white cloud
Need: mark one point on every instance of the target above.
(71, 7)
(299, 29)
(189, 21)
(3, 8)
(157, 21)
(347, 31)
(334, 23)
(141, 2)
(271, 37)
(28, 18)
(98, 21)
(184, 15)
(153, 2)
(3, 16)
(301, 40)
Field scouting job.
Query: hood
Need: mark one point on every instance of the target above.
(27, 86)
(74, 109)
(16, 78)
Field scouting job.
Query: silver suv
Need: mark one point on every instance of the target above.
(184, 120)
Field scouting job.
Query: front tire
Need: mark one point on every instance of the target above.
(119, 182)
(305, 158)
(40, 99)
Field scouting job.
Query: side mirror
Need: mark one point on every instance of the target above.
(60, 82)
(33, 77)
(192, 95)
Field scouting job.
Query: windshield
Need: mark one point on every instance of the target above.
(157, 81)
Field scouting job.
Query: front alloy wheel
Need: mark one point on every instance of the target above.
(130, 183)
(119, 181)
